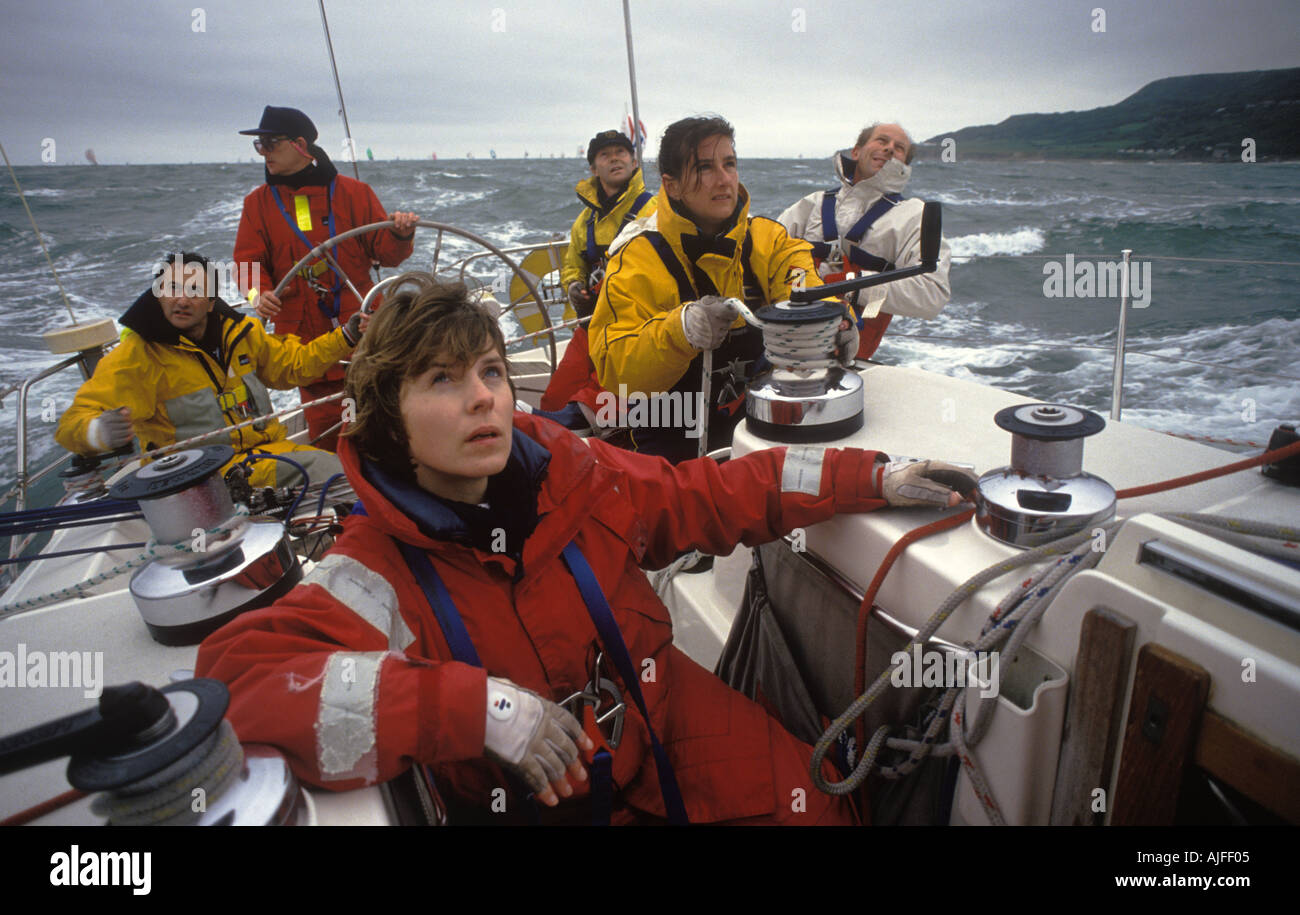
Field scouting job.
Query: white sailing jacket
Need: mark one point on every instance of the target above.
(895, 236)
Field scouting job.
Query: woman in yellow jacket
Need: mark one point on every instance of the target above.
(188, 363)
(662, 302)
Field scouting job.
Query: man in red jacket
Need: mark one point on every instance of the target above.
(303, 202)
(493, 586)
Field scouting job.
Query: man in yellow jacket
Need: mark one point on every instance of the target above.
(663, 300)
(188, 363)
(612, 197)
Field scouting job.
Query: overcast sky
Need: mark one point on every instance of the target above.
(163, 81)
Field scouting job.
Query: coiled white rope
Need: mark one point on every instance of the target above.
(153, 550)
(807, 345)
(167, 798)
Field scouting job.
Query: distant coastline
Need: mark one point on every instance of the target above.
(1213, 117)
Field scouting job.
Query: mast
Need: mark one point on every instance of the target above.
(343, 109)
(631, 72)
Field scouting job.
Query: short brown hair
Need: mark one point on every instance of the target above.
(868, 131)
(422, 322)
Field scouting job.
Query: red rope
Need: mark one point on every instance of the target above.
(33, 813)
(864, 611)
(1268, 457)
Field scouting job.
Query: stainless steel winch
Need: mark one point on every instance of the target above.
(804, 404)
(232, 566)
(814, 399)
(1044, 494)
(165, 757)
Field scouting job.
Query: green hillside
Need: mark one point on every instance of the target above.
(1181, 117)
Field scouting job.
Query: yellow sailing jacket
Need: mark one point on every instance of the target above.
(608, 223)
(636, 336)
(176, 390)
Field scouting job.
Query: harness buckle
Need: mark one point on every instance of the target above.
(610, 714)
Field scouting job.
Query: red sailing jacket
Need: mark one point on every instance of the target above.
(349, 673)
(266, 239)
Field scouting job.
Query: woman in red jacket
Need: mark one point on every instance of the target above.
(493, 588)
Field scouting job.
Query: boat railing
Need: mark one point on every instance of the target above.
(552, 293)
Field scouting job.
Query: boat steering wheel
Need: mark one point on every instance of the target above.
(322, 251)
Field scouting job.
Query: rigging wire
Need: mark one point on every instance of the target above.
(343, 109)
(39, 237)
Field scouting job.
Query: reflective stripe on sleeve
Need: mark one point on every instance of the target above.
(366, 593)
(801, 471)
(345, 725)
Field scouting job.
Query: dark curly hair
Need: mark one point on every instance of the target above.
(678, 148)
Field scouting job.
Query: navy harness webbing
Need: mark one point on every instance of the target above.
(830, 232)
(462, 649)
(612, 639)
(594, 253)
(329, 224)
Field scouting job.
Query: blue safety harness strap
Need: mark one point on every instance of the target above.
(329, 224)
(594, 253)
(830, 232)
(612, 639)
(449, 620)
(462, 649)
(602, 788)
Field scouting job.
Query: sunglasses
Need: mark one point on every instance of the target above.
(267, 144)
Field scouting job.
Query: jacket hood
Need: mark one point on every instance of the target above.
(684, 235)
(589, 193)
(551, 457)
(146, 318)
(891, 179)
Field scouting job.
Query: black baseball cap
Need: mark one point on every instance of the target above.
(283, 122)
(608, 138)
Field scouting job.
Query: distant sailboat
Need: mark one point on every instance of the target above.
(492, 153)
(370, 154)
(90, 157)
(434, 157)
(525, 154)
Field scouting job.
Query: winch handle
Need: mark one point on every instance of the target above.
(123, 713)
(931, 235)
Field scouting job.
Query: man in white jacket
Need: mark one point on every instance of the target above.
(865, 226)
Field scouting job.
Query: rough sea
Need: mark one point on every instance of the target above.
(1011, 225)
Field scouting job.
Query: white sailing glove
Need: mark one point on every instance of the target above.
(915, 482)
(532, 737)
(110, 430)
(707, 321)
